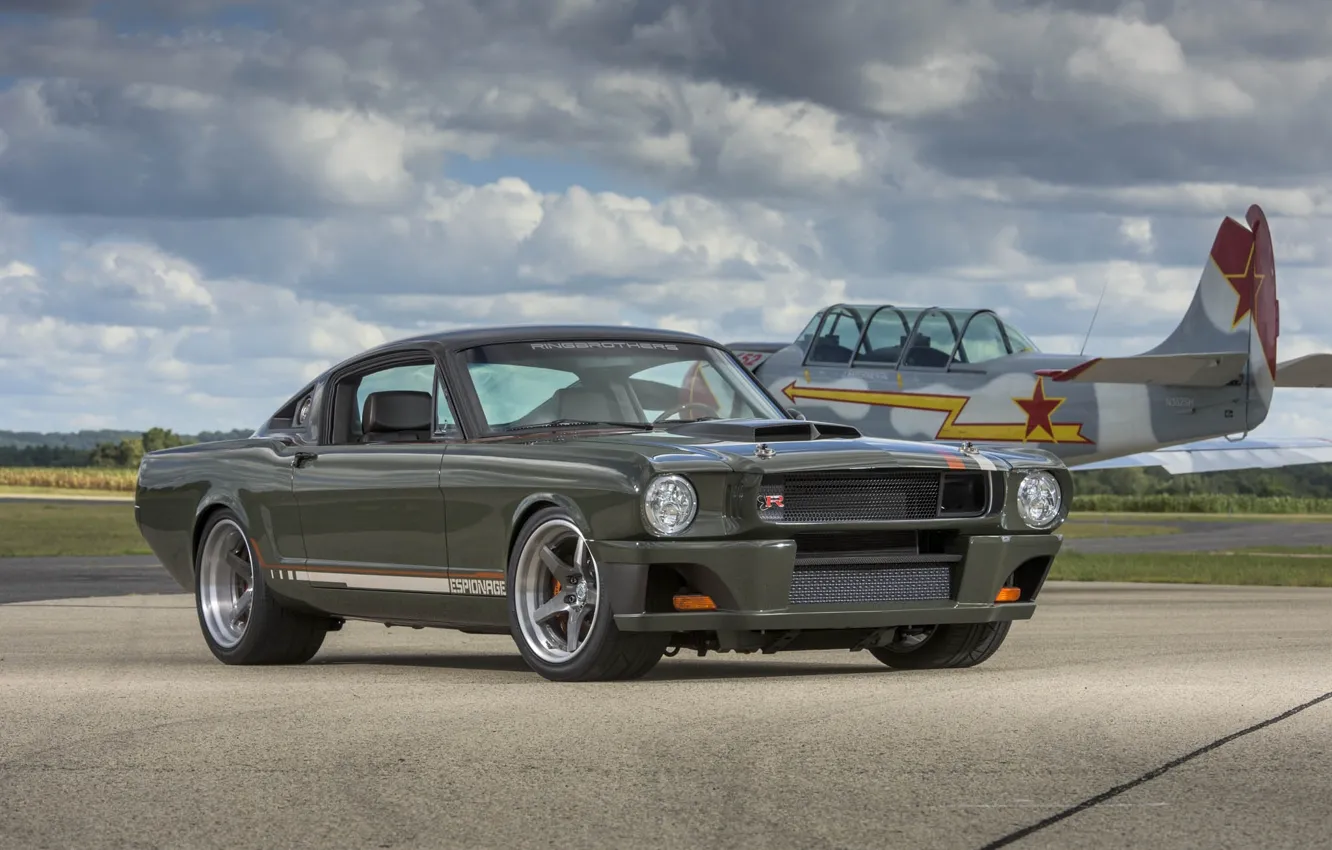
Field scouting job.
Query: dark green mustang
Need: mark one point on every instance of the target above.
(606, 496)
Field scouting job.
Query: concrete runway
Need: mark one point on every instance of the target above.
(118, 729)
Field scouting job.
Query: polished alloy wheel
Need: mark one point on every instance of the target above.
(555, 590)
(226, 584)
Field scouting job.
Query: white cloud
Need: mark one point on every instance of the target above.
(1137, 231)
(138, 347)
(194, 221)
(1130, 63)
(941, 82)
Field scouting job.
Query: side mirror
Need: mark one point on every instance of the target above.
(794, 413)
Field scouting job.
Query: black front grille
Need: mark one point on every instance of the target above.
(912, 582)
(879, 566)
(871, 495)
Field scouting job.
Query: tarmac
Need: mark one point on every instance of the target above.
(1120, 716)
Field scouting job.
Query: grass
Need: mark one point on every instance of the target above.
(1195, 568)
(39, 529)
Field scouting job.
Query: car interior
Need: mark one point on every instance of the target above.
(397, 416)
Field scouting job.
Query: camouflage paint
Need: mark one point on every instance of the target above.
(1081, 409)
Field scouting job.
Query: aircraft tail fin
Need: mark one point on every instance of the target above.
(1229, 333)
(1235, 306)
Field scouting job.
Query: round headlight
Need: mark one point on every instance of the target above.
(1038, 499)
(669, 504)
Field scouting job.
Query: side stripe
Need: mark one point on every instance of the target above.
(443, 584)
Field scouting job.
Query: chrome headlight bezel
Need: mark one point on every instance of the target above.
(1034, 490)
(652, 516)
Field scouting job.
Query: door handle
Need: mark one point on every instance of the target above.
(300, 459)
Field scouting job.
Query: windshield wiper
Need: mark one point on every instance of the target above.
(564, 423)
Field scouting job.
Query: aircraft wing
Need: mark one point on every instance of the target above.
(1311, 370)
(1222, 454)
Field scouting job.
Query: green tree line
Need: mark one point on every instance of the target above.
(1307, 481)
(123, 453)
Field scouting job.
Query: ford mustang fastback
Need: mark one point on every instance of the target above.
(604, 495)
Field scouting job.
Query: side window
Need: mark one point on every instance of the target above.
(887, 334)
(982, 341)
(403, 422)
(836, 339)
(933, 343)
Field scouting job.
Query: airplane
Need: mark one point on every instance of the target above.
(965, 375)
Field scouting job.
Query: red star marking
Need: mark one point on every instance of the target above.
(1038, 409)
(1233, 254)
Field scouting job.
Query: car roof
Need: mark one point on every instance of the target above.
(445, 342)
(469, 337)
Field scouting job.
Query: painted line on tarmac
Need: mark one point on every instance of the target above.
(1150, 775)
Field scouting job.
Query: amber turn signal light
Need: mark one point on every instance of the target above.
(1009, 594)
(694, 602)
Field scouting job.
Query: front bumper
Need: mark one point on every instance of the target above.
(750, 581)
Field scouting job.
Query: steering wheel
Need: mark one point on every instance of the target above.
(708, 410)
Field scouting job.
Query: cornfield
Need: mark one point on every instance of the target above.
(68, 478)
(1203, 503)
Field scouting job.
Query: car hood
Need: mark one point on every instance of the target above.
(788, 445)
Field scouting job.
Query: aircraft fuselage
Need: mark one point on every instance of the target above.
(1010, 401)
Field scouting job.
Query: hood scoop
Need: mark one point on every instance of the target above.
(764, 430)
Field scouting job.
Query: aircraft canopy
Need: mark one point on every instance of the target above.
(886, 336)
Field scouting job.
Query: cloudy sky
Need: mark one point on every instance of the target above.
(204, 203)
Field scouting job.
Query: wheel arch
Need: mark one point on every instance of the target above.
(536, 502)
(212, 505)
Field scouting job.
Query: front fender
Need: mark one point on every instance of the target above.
(535, 501)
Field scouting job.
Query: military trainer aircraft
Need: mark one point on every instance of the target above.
(960, 375)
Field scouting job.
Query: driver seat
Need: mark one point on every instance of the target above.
(396, 416)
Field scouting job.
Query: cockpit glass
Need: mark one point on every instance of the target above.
(982, 340)
(1019, 340)
(831, 336)
(888, 332)
(936, 334)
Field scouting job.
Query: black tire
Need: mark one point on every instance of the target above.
(606, 653)
(272, 634)
(949, 646)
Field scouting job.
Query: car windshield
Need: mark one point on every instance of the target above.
(623, 382)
